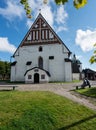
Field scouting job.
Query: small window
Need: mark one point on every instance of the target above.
(29, 76)
(28, 63)
(40, 48)
(51, 57)
(42, 76)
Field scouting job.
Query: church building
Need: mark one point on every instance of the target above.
(41, 56)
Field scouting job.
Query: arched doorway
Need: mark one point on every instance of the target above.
(36, 78)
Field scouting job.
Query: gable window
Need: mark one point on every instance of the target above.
(40, 48)
(29, 76)
(40, 62)
(44, 25)
(36, 26)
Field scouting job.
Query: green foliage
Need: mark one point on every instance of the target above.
(93, 57)
(61, 1)
(26, 7)
(43, 111)
(4, 69)
(77, 4)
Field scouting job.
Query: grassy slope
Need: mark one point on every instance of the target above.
(43, 111)
(90, 92)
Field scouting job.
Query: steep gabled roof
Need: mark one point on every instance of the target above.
(41, 33)
(88, 71)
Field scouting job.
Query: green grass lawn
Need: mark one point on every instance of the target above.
(43, 111)
(90, 92)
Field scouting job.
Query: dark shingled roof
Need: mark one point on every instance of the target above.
(13, 63)
(67, 60)
(88, 71)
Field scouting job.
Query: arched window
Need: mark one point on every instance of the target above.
(40, 48)
(40, 62)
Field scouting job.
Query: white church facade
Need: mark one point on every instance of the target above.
(42, 56)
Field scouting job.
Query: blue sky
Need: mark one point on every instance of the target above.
(77, 28)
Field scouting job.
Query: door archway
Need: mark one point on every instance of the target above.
(36, 78)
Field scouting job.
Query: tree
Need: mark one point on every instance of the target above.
(4, 70)
(77, 4)
(93, 58)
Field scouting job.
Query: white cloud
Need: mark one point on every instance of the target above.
(58, 15)
(33, 4)
(78, 57)
(48, 14)
(85, 39)
(45, 10)
(6, 46)
(61, 28)
(29, 23)
(61, 15)
(12, 10)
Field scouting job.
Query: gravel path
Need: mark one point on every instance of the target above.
(60, 89)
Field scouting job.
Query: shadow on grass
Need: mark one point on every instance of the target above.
(5, 90)
(77, 123)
